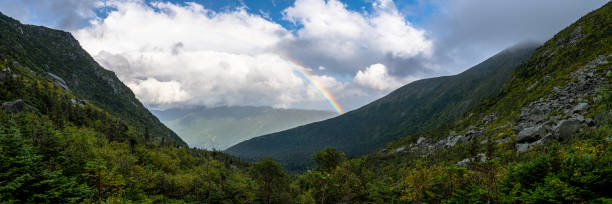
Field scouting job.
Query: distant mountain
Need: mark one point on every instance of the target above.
(417, 107)
(57, 55)
(222, 127)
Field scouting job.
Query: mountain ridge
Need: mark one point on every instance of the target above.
(418, 106)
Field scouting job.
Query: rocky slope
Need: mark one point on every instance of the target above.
(558, 95)
(558, 116)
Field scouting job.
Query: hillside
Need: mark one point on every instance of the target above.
(546, 138)
(419, 106)
(56, 54)
(221, 127)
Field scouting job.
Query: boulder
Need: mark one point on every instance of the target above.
(421, 140)
(531, 134)
(401, 149)
(567, 128)
(580, 107)
(16, 106)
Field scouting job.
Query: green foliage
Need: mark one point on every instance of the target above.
(329, 158)
(272, 180)
(25, 179)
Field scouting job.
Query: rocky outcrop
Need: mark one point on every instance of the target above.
(16, 106)
(478, 158)
(58, 80)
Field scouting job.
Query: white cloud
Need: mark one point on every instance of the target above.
(330, 29)
(376, 77)
(218, 58)
(173, 55)
(157, 92)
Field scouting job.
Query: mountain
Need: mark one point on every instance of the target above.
(545, 137)
(57, 55)
(221, 127)
(57, 147)
(419, 106)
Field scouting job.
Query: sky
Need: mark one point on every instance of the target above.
(308, 54)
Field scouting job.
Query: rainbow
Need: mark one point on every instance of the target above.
(304, 72)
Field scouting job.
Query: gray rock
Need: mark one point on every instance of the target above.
(461, 139)
(576, 35)
(421, 140)
(601, 59)
(474, 133)
(482, 157)
(488, 119)
(590, 122)
(580, 107)
(401, 149)
(567, 129)
(578, 117)
(58, 80)
(464, 162)
(522, 147)
(16, 106)
(531, 134)
(499, 141)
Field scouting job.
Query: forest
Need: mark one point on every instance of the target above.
(61, 150)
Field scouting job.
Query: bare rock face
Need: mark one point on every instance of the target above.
(16, 106)
(58, 80)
